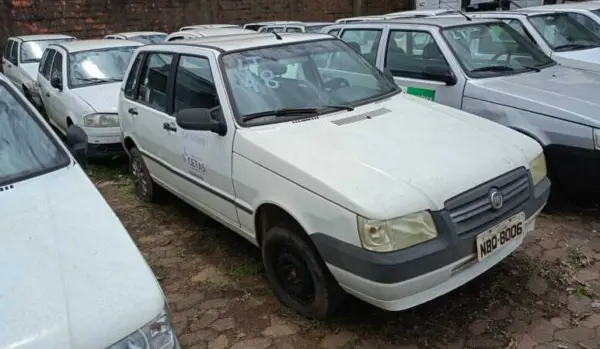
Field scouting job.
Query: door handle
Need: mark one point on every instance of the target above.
(132, 111)
(167, 126)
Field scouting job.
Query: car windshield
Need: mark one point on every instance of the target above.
(315, 28)
(149, 39)
(301, 77)
(563, 33)
(492, 49)
(99, 66)
(32, 51)
(27, 149)
(596, 12)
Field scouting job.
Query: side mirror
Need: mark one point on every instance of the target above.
(201, 119)
(388, 74)
(77, 141)
(56, 82)
(440, 73)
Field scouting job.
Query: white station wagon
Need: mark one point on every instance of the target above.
(79, 83)
(343, 182)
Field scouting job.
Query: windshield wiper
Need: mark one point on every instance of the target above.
(338, 106)
(530, 67)
(493, 68)
(567, 47)
(99, 79)
(280, 112)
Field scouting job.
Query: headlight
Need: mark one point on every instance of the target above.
(396, 234)
(538, 169)
(101, 120)
(597, 138)
(157, 334)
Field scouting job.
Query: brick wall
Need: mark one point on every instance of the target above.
(95, 18)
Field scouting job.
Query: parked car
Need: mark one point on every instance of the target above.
(485, 67)
(204, 26)
(305, 27)
(143, 37)
(257, 25)
(584, 12)
(557, 34)
(79, 82)
(77, 279)
(21, 60)
(200, 33)
(343, 182)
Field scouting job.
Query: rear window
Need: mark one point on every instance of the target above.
(27, 149)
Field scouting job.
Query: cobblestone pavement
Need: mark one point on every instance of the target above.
(544, 296)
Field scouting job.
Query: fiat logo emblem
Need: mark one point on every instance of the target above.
(496, 199)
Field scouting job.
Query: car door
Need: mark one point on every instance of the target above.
(57, 96)
(44, 83)
(415, 60)
(153, 128)
(204, 157)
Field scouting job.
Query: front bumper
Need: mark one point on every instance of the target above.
(404, 279)
(104, 142)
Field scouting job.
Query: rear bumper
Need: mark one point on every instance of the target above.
(404, 279)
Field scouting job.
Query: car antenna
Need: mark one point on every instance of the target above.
(277, 35)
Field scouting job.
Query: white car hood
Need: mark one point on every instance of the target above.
(72, 276)
(413, 158)
(582, 59)
(103, 98)
(31, 69)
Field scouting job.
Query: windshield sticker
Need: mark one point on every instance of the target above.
(245, 73)
(424, 93)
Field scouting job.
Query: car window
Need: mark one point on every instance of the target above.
(27, 149)
(293, 30)
(411, 53)
(133, 76)
(8, 49)
(194, 85)
(520, 28)
(334, 32)
(57, 65)
(562, 33)
(43, 61)
(155, 75)
(314, 28)
(494, 49)
(286, 76)
(14, 52)
(255, 27)
(586, 21)
(32, 51)
(149, 39)
(274, 30)
(365, 41)
(175, 38)
(48, 64)
(99, 66)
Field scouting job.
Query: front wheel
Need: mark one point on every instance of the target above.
(299, 278)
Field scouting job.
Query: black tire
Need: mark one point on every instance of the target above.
(145, 188)
(288, 254)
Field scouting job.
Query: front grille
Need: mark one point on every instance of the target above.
(472, 210)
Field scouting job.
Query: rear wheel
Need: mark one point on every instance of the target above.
(145, 188)
(298, 276)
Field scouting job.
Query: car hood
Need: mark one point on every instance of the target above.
(30, 69)
(72, 276)
(409, 155)
(560, 92)
(103, 98)
(582, 59)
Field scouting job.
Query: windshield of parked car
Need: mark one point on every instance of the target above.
(26, 148)
(318, 76)
(563, 33)
(149, 39)
(492, 49)
(32, 51)
(315, 28)
(99, 66)
(596, 12)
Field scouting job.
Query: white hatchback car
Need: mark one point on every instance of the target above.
(342, 181)
(21, 60)
(79, 85)
(73, 277)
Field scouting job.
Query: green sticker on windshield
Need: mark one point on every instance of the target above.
(421, 92)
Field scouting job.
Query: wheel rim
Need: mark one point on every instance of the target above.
(293, 276)
(140, 177)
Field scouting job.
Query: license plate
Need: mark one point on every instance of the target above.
(493, 239)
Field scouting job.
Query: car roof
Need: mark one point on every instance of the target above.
(273, 22)
(247, 41)
(42, 37)
(584, 5)
(434, 21)
(519, 12)
(203, 26)
(214, 31)
(95, 44)
(434, 12)
(131, 34)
